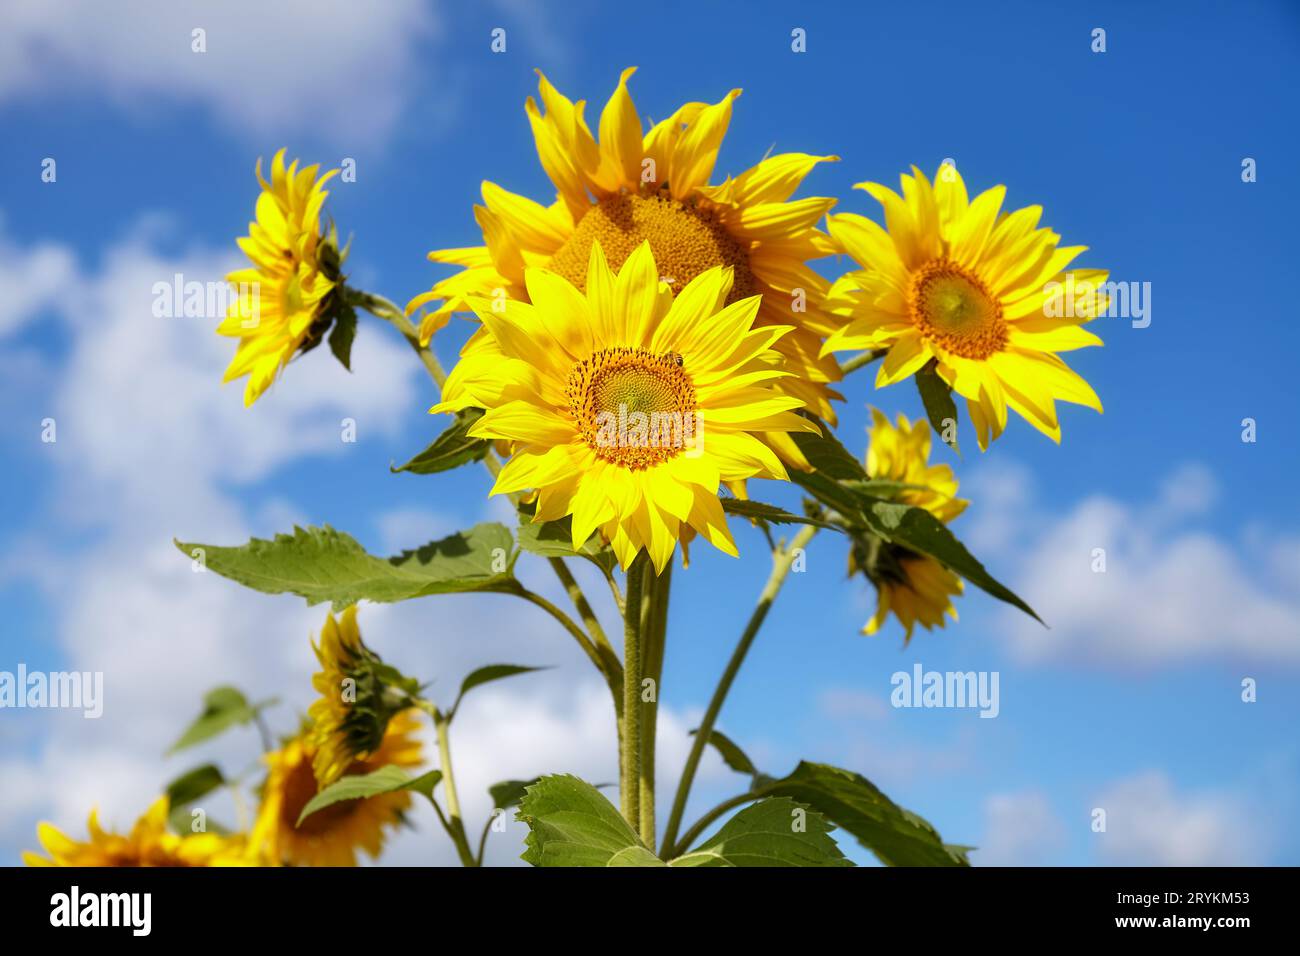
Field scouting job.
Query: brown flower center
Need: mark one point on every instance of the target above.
(686, 240)
(954, 309)
(633, 407)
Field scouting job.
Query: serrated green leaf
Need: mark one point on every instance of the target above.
(321, 564)
(487, 674)
(223, 708)
(772, 832)
(734, 757)
(936, 396)
(193, 784)
(508, 793)
(453, 448)
(746, 508)
(897, 836)
(919, 530)
(571, 823)
(359, 786)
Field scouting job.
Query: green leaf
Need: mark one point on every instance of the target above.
(765, 512)
(554, 539)
(897, 836)
(453, 448)
(321, 564)
(490, 673)
(919, 530)
(731, 753)
(181, 820)
(223, 708)
(773, 832)
(508, 793)
(193, 784)
(571, 823)
(828, 455)
(341, 336)
(359, 786)
(936, 396)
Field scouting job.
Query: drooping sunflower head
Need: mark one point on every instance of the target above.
(915, 587)
(332, 836)
(149, 843)
(972, 289)
(283, 302)
(636, 183)
(625, 405)
(359, 695)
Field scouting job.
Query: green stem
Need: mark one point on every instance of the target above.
(391, 313)
(588, 648)
(700, 825)
(861, 360)
(630, 746)
(610, 665)
(654, 618)
(782, 560)
(456, 824)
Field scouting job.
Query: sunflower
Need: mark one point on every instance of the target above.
(916, 587)
(282, 302)
(626, 406)
(970, 288)
(652, 185)
(331, 836)
(148, 844)
(359, 695)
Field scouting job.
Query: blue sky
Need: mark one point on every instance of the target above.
(1130, 701)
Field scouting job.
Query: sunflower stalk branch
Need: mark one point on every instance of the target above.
(782, 561)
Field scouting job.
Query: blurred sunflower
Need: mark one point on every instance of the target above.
(915, 587)
(359, 695)
(283, 301)
(148, 844)
(331, 836)
(626, 406)
(969, 287)
(637, 185)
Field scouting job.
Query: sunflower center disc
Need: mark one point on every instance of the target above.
(954, 309)
(633, 407)
(685, 239)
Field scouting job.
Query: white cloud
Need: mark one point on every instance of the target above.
(1171, 590)
(269, 67)
(1021, 829)
(1148, 823)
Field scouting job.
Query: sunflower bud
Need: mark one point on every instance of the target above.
(360, 694)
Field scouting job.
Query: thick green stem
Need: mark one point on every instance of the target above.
(654, 621)
(630, 746)
(455, 823)
(782, 560)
